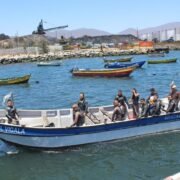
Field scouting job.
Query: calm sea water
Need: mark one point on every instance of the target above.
(152, 157)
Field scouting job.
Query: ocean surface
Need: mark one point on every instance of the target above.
(150, 157)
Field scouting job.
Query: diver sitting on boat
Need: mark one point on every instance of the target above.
(82, 103)
(171, 105)
(12, 114)
(144, 108)
(78, 117)
(121, 97)
(153, 92)
(120, 111)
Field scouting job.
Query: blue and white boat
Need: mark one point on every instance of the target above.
(123, 65)
(50, 129)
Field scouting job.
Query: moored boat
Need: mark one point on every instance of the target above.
(122, 65)
(15, 80)
(51, 128)
(122, 72)
(162, 61)
(123, 59)
(49, 64)
(156, 54)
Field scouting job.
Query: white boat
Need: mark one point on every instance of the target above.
(49, 64)
(48, 129)
(173, 177)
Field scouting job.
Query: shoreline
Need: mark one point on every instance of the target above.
(62, 55)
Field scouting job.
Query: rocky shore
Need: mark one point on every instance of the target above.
(23, 58)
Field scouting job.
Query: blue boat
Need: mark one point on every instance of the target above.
(51, 129)
(122, 65)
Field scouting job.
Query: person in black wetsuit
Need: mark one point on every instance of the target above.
(121, 97)
(171, 105)
(175, 95)
(135, 102)
(11, 113)
(78, 117)
(144, 108)
(82, 103)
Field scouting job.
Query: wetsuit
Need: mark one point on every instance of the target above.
(83, 105)
(135, 105)
(122, 98)
(11, 114)
(171, 106)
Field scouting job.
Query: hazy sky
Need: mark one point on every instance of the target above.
(22, 16)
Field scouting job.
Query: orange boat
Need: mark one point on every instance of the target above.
(121, 72)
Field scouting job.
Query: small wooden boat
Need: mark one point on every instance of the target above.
(124, 59)
(123, 72)
(156, 55)
(162, 61)
(51, 129)
(49, 64)
(16, 80)
(123, 65)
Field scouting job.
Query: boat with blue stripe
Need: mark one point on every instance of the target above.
(35, 130)
(123, 65)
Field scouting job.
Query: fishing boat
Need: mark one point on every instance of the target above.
(123, 72)
(122, 65)
(51, 129)
(162, 61)
(123, 59)
(15, 80)
(49, 64)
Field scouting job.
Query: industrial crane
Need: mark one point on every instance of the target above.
(40, 29)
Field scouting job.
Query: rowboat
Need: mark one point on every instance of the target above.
(49, 64)
(123, 72)
(122, 65)
(156, 55)
(50, 129)
(16, 80)
(162, 61)
(124, 59)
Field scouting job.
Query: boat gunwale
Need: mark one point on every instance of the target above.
(103, 125)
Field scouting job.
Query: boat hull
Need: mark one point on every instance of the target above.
(104, 73)
(165, 61)
(118, 60)
(18, 80)
(119, 65)
(48, 64)
(64, 137)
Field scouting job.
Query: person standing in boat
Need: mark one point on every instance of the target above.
(171, 105)
(78, 117)
(121, 97)
(135, 102)
(82, 103)
(175, 95)
(144, 108)
(11, 113)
